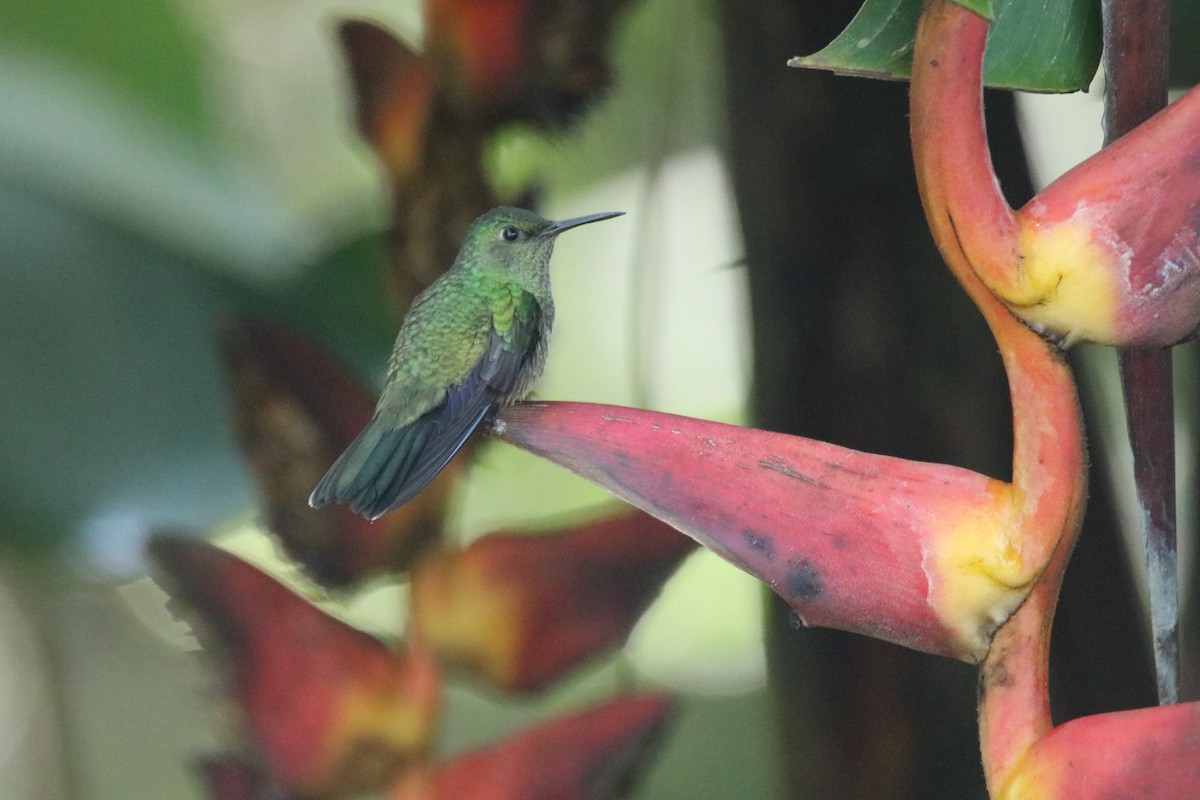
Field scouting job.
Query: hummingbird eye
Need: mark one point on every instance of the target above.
(510, 234)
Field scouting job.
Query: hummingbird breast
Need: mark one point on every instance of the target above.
(535, 315)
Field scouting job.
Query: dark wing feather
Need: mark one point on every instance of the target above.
(385, 466)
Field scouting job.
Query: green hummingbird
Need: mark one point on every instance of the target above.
(472, 342)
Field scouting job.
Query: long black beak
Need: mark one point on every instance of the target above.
(558, 227)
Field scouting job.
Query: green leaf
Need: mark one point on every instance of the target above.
(984, 8)
(1035, 45)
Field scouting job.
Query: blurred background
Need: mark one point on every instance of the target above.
(166, 165)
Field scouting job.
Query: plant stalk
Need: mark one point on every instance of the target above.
(1135, 67)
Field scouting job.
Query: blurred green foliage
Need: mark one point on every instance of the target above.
(165, 165)
(144, 49)
(132, 223)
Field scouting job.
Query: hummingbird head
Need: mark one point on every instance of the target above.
(518, 242)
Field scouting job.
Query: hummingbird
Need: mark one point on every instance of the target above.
(473, 342)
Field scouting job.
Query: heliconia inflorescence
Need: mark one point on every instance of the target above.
(1106, 253)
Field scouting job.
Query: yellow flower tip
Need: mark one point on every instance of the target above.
(977, 572)
(376, 737)
(1028, 784)
(471, 619)
(1067, 284)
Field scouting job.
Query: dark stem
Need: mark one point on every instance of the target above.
(1135, 66)
(1135, 63)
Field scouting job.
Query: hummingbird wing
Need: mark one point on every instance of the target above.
(388, 465)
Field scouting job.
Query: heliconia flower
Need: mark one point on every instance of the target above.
(330, 711)
(296, 407)
(393, 95)
(1151, 753)
(433, 158)
(481, 48)
(521, 610)
(929, 556)
(589, 755)
(1148, 753)
(538, 61)
(1110, 252)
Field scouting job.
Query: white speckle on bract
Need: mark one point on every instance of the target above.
(499, 426)
(863, 43)
(1171, 272)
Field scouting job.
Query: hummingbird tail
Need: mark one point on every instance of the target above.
(385, 466)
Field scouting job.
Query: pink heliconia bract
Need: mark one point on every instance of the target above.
(330, 710)
(589, 755)
(521, 610)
